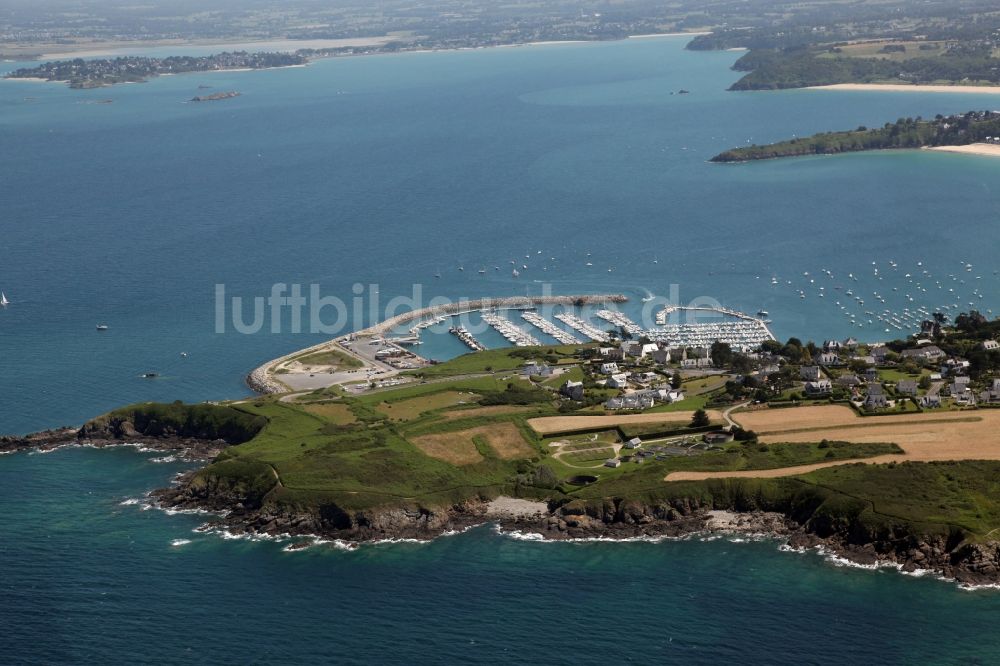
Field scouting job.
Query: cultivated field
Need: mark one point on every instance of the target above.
(456, 448)
(547, 425)
(506, 441)
(459, 448)
(923, 437)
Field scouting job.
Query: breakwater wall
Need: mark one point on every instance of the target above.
(262, 379)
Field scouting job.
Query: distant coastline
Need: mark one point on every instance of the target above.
(114, 49)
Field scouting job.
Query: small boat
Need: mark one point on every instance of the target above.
(149, 375)
(482, 271)
(763, 313)
(647, 299)
(461, 268)
(515, 272)
(438, 274)
(184, 354)
(3, 300)
(102, 327)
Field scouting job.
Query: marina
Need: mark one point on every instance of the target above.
(547, 327)
(663, 315)
(621, 320)
(580, 325)
(505, 327)
(742, 336)
(462, 334)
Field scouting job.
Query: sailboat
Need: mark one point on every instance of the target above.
(3, 300)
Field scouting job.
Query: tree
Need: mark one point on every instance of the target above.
(722, 354)
(676, 381)
(700, 419)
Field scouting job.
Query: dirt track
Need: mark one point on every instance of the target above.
(549, 424)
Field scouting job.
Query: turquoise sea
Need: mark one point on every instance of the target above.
(383, 171)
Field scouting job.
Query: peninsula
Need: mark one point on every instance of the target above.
(974, 127)
(864, 450)
(96, 73)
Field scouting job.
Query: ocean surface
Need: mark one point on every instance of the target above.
(381, 172)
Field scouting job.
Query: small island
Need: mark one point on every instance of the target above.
(100, 72)
(215, 96)
(974, 127)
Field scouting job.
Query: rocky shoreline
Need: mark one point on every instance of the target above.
(245, 511)
(614, 520)
(188, 448)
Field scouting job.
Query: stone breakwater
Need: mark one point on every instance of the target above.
(509, 302)
(262, 379)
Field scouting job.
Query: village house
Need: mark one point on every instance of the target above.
(661, 356)
(876, 397)
(961, 392)
(609, 368)
(633, 443)
(927, 353)
(694, 363)
(831, 345)
(906, 387)
(631, 348)
(880, 354)
(668, 395)
(611, 353)
(829, 358)
(534, 369)
(849, 381)
(930, 401)
(819, 387)
(990, 345)
(810, 373)
(630, 401)
(572, 390)
(612, 462)
(992, 394)
(619, 380)
(647, 349)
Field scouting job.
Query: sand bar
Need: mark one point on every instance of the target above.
(988, 149)
(906, 87)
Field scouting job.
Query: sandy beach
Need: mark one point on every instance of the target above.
(988, 149)
(903, 87)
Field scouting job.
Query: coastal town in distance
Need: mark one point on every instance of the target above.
(428, 332)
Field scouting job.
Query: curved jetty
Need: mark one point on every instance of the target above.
(368, 355)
